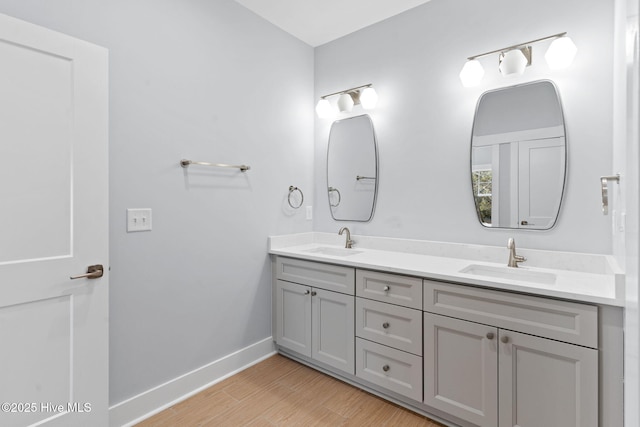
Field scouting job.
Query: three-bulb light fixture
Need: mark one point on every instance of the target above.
(513, 60)
(365, 96)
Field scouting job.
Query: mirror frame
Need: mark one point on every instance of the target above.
(377, 170)
(566, 157)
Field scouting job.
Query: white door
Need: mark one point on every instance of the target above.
(541, 179)
(53, 225)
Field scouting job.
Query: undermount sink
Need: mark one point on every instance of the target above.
(509, 273)
(333, 251)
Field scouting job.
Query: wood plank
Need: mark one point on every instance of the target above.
(281, 392)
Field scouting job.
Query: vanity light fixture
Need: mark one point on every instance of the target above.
(472, 73)
(365, 96)
(345, 103)
(561, 53)
(324, 108)
(514, 59)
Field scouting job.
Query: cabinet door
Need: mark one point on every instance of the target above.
(333, 330)
(546, 383)
(461, 369)
(293, 322)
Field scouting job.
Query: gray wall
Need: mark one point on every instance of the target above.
(424, 116)
(209, 81)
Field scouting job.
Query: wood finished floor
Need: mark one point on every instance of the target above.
(281, 392)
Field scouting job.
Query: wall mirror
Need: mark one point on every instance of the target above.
(518, 156)
(352, 169)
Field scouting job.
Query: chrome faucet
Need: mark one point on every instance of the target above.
(349, 242)
(513, 258)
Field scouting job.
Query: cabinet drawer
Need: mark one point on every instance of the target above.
(391, 288)
(326, 276)
(559, 320)
(387, 367)
(388, 324)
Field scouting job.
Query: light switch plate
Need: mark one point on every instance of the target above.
(138, 220)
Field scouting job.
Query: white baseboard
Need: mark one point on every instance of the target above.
(135, 409)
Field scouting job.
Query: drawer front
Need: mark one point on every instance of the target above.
(388, 324)
(392, 369)
(391, 288)
(326, 276)
(559, 320)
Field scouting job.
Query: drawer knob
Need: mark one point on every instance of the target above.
(307, 292)
(504, 339)
(490, 335)
(386, 368)
(385, 325)
(386, 288)
(314, 293)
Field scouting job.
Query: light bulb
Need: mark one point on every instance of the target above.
(513, 63)
(560, 53)
(324, 109)
(345, 103)
(369, 98)
(472, 73)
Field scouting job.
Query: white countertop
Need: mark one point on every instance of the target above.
(580, 277)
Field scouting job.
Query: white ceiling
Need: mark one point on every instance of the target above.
(317, 22)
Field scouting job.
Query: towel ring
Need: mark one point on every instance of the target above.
(339, 197)
(291, 190)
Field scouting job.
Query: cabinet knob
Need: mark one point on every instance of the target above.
(386, 288)
(504, 339)
(386, 368)
(490, 335)
(385, 325)
(307, 292)
(314, 293)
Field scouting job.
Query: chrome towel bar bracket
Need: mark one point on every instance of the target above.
(604, 182)
(186, 163)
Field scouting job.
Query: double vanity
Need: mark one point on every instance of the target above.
(452, 332)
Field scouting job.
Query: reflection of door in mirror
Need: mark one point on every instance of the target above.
(518, 157)
(352, 169)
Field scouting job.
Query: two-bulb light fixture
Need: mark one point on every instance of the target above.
(365, 96)
(513, 60)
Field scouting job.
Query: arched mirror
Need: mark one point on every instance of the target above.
(518, 156)
(352, 169)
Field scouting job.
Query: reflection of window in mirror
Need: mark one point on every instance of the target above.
(482, 180)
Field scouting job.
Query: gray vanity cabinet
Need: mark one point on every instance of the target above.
(472, 355)
(482, 368)
(311, 319)
(389, 332)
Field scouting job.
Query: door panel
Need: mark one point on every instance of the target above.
(53, 223)
(541, 180)
(545, 382)
(35, 214)
(333, 333)
(460, 368)
(293, 325)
